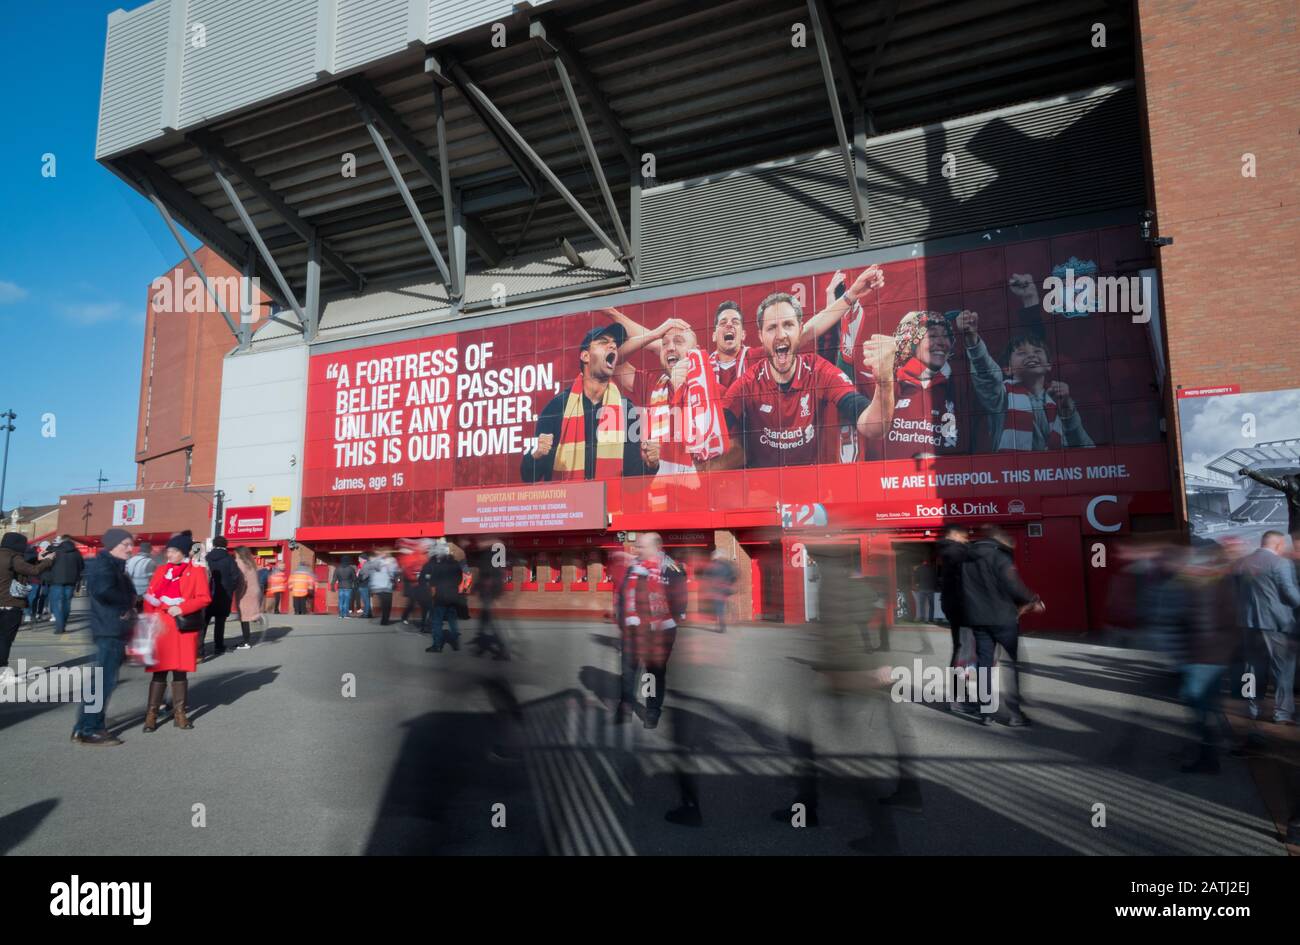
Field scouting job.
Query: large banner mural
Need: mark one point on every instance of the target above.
(982, 383)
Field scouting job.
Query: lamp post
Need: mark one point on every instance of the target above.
(8, 417)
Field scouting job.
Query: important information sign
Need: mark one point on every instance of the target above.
(554, 506)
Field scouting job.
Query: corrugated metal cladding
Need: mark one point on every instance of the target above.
(130, 109)
(369, 29)
(1031, 163)
(253, 50)
(450, 18)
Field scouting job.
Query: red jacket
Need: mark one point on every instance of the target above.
(176, 649)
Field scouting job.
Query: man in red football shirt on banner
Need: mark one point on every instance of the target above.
(780, 402)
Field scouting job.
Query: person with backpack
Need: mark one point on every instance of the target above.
(224, 584)
(14, 568)
(63, 580)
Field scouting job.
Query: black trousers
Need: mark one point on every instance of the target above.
(219, 613)
(385, 599)
(300, 605)
(11, 618)
(987, 639)
(651, 649)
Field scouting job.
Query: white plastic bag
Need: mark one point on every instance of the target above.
(140, 650)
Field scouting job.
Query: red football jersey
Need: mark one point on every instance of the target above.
(780, 427)
(732, 372)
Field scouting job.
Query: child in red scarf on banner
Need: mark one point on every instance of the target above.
(1025, 410)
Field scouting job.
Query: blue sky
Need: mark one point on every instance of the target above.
(77, 253)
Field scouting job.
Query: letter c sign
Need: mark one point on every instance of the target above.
(1091, 513)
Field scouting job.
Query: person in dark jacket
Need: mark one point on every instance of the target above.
(993, 598)
(14, 566)
(1210, 612)
(225, 584)
(63, 580)
(490, 585)
(1289, 486)
(442, 575)
(951, 551)
(343, 580)
(112, 615)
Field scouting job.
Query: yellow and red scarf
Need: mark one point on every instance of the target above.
(611, 434)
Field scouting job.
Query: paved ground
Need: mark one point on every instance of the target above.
(284, 763)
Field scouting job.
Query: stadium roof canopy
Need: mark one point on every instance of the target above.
(323, 145)
(1275, 454)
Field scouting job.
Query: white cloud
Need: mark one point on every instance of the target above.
(91, 313)
(11, 292)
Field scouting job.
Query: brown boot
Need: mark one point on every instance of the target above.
(180, 688)
(156, 690)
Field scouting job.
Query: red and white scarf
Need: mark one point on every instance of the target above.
(1018, 423)
(645, 597)
(914, 372)
(738, 364)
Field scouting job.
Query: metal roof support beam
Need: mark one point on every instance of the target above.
(212, 146)
(312, 325)
(828, 76)
(864, 94)
(839, 55)
(554, 38)
(411, 206)
(191, 214)
(440, 72)
(471, 91)
(246, 302)
(364, 96)
(593, 158)
(256, 237)
(450, 199)
(180, 241)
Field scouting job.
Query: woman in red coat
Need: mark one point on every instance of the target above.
(179, 587)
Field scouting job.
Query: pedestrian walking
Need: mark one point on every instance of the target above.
(140, 568)
(951, 551)
(650, 610)
(923, 587)
(1267, 596)
(719, 584)
(249, 602)
(224, 582)
(412, 557)
(15, 570)
(1210, 608)
(178, 594)
(63, 580)
(442, 575)
(302, 583)
(343, 580)
(38, 588)
(276, 585)
(361, 588)
(490, 585)
(112, 617)
(993, 598)
(379, 573)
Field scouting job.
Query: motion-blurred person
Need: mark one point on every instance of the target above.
(361, 590)
(442, 575)
(649, 613)
(993, 598)
(63, 579)
(1267, 596)
(951, 551)
(850, 688)
(379, 573)
(1211, 609)
(343, 580)
(140, 568)
(178, 594)
(250, 598)
(719, 585)
(276, 585)
(411, 558)
(112, 616)
(223, 585)
(923, 591)
(14, 569)
(490, 585)
(302, 584)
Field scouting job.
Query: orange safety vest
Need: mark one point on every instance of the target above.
(301, 583)
(275, 583)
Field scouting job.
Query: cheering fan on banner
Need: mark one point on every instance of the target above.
(583, 432)
(684, 415)
(927, 403)
(1025, 410)
(730, 358)
(780, 403)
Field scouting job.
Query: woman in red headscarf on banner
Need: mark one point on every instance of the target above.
(178, 595)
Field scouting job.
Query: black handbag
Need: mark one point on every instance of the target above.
(191, 622)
